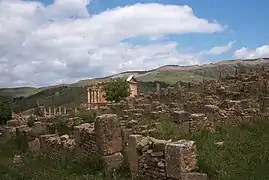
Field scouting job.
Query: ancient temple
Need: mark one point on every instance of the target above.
(96, 93)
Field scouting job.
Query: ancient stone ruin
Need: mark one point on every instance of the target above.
(96, 93)
(131, 129)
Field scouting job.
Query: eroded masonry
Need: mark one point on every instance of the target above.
(131, 129)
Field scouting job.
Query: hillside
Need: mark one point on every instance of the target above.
(74, 94)
(18, 92)
(171, 74)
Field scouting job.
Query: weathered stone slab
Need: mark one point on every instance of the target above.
(132, 152)
(77, 130)
(211, 109)
(13, 123)
(108, 134)
(34, 146)
(181, 116)
(193, 176)
(113, 161)
(180, 158)
(9, 131)
(39, 127)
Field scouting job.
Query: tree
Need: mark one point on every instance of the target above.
(5, 113)
(116, 90)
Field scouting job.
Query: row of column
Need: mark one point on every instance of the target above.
(60, 112)
(95, 96)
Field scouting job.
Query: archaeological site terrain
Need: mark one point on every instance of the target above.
(213, 128)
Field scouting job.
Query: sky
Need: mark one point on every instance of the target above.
(50, 42)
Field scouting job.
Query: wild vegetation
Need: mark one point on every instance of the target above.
(5, 111)
(232, 152)
(117, 90)
(62, 166)
(73, 94)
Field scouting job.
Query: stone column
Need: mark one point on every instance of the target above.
(54, 111)
(45, 112)
(181, 161)
(76, 110)
(158, 87)
(60, 110)
(133, 155)
(97, 95)
(64, 110)
(49, 111)
(89, 96)
(94, 96)
(91, 93)
(109, 140)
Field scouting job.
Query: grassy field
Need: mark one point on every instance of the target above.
(17, 92)
(243, 156)
(60, 167)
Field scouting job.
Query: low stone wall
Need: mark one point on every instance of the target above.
(151, 158)
(85, 139)
(148, 158)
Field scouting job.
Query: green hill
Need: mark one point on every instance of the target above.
(74, 94)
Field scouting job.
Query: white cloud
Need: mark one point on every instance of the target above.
(62, 42)
(219, 49)
(245, 53)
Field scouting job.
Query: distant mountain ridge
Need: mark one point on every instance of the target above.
(169, 74)
(74, 94)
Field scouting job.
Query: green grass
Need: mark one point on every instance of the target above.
(244, 155)
(172, 77)
(18, 92)
(60, 167)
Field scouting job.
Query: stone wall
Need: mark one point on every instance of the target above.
(85, 139)
(131, 127)
(151, 158)
(148, 158)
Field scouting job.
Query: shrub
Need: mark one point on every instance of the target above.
(88, 116)
(5, 113)
(62, 127)
(31, 121)
(116, 90)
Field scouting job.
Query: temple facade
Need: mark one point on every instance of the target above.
(96, 93)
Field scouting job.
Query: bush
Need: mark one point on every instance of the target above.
(5, 113)
(244, 155)
(63, 166)
(117, 89)
(88, 116)
(31, 121)
(62, 127)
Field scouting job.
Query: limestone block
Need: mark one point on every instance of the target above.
(108, 134)
(181, 116)
(113, 161)
(193, 176)
(159, 145)
(126, 134)
(39, 127)
(21, 129)
(266, 101)
(180, 157)
(43, 139)
(10, 131)
(34, 146)
(77, 130)
(211, 109)
(132, 153)
(13, 123)
(17, 160)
